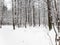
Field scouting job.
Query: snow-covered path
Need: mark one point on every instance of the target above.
(28, 36)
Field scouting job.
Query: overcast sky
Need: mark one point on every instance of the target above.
(8, 3)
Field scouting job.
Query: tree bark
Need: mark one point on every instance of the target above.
(49, 14)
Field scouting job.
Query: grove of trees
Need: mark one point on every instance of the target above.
(31, 13)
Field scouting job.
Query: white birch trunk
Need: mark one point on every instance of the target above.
(58, 11)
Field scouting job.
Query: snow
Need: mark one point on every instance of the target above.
(27, 36)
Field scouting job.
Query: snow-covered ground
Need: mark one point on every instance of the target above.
(27, 36)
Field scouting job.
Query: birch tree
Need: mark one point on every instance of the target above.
(23, 13)
(13, 12)
(1, 6)
(18, 13)
(26, 12)
(33, 15)
(58, 12)
(30, 13)
(39, 11)
(49, 14)
(36, 6)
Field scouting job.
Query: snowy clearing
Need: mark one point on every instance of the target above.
(26, 36)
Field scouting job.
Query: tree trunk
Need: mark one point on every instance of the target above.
(49, 14)
(13, 14)
(33, 16)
